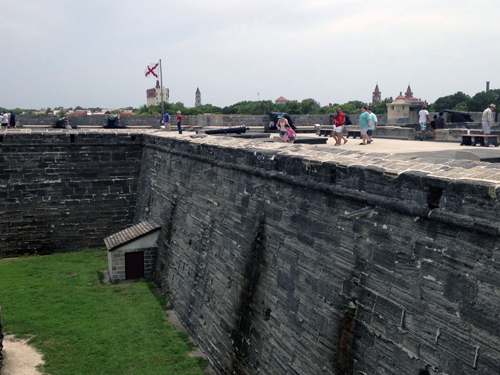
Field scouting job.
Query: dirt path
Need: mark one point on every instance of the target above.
(19, 358)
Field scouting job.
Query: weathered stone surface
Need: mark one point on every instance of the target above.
(1, 339)
(268, 252)
(65, 190)
(413, 271)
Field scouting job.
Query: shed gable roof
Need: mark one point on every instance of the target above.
(130, 234)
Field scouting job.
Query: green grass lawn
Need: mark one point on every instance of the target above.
(83, 327)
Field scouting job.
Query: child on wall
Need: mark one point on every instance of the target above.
(432, 127)
(291, 135)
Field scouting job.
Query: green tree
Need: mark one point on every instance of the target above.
(61, 113)
(48, 111)
(292, 107)
(451, 101)
(462, 106)
(482, 100)
(380, 108)
(309, 106)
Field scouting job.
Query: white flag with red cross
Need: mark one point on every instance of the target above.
(152, 70)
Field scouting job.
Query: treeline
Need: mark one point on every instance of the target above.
(459, 102)
(264, 107)
(16, 111)
(463, 102)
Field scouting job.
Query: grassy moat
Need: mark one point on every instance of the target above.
(84, 327)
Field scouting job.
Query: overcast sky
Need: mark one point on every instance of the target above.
(94, 53)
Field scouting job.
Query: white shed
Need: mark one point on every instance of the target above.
(132, 252)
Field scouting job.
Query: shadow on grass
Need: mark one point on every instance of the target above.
(162, 300)
(203, 363)
(100, 277)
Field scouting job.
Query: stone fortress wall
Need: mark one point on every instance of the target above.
(205, 120)
(280, 259)
(194, 120)
(303, 262)
(63, 191)
(94, 120)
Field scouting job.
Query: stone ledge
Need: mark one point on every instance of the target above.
(349, 174)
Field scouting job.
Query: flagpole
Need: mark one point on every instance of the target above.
(161, 85)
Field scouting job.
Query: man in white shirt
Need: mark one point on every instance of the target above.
(423, 120)
(5, 120)
(488, 119)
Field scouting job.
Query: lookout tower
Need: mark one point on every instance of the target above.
(154, 95)
(377, 95)
(197, 101)
(409, 93)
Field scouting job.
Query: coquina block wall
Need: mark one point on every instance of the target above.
(302, 261)
(66, 190)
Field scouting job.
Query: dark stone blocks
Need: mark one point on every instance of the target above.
(65, 190)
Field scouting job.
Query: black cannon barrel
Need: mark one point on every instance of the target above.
(113, 122)
(62, 123)
(458, 116)
(228, 130)
(456, 112)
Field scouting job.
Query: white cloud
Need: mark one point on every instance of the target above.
(94, 53)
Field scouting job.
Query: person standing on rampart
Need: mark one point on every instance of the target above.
(423, 120)
(12, 120)
(441, 121)
(338, 125)
(342, 114)
(488, 119)
(364, 125)
(432, 127)
(179, 122)
(373, 125)
(5, 120)
(166, 120)
(281, 125)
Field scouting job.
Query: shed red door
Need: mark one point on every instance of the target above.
(134, 265)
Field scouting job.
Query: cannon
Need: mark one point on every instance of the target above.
(114, 123)
(275, 117)
(457, 116)
(228, 130)
(62, 123)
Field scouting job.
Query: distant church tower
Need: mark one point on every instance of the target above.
(377, 95)
(197, 101)
(408, 93)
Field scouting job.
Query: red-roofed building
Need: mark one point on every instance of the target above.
(127, 113)
(281, 100)
(404, 108)
(78, 113)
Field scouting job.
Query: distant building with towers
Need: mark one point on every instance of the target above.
(197, 101)
(154, 95)
(405, 108)
(377, 95)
